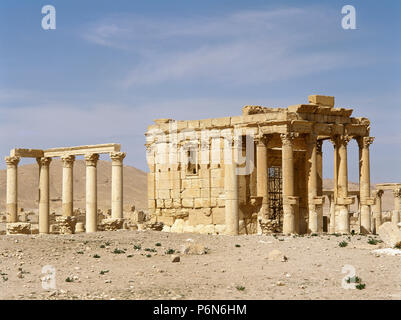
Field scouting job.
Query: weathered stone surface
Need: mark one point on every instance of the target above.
(175, 258)
(277, 256)
(389, 233)
(79, 227)
(18, 228)
(66, 224)
(112, 224)
(193, 248)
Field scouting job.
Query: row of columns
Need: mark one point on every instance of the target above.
(67, 189)
(339, 220)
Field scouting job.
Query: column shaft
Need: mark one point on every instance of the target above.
(364, 183)
(395, 218)
(342, 192)
(289, 201)
(262, 179)
(12, 189)
(117, 184)
(377, 209)
(44, 194)
(312, 184)
(231, 194)
(319, 160)
(68, 181)
(91, 192)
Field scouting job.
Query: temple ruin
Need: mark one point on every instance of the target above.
(67, 155)
(260, 172)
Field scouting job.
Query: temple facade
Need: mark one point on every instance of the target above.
(260, 172)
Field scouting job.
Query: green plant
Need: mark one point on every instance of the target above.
(4, 278)
(148, 255)
(137, 247)
(118, 251)
(150, 249)
(130, 256)
(102, 246)
(314, 234)
(96, 256)
(68, 279)
(240, 288)
(238, 246)
(372, 241)
(360, 286)
(398, 245)
(170, 251)
(107, 243)
(158, 244)
(343, 244)
(80, 252)
(104, 271)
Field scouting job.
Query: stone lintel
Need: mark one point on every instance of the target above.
(388, 186)
(321, 100)
(82, 150)
(27, 153)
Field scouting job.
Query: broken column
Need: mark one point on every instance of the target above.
(395, 218)
(67, 193)
(117, 184)
(91, 191)
(12, 188)
(44, 196)
(290, 202)
(377, 209)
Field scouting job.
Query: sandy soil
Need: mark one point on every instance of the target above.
(234, 268)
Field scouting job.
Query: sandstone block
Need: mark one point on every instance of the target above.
(193, 248)
(321, 100)
(112, 224)
(390, 233)
(18, 228)
(66, 225)
(276, 255)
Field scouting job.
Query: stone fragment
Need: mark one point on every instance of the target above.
(66, 224)
(18, 228)
(112, 224)
(193, 248)
(390, 233)
(79, 227)
(277, 255)
(175, 258)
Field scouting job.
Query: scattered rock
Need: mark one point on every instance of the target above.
(18, 228)
(175, 258)
(276, 255)
(193, 248)
(390, 233)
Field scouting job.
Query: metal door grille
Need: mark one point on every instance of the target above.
(275, 193)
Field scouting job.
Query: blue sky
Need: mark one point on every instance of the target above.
(111, 67)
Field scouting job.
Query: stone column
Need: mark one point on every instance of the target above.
(91, 191)
(332, 228)
(319, 160)
(342, 200)
(290, 202)
(68, 181)
(117, 184)
(262, 178)
(44, 194)
(12, 188)
(395, 218)
(377, 209)
(311, 170)
(364, 183)
(231, 192)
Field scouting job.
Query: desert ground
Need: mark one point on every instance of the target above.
(138, 265)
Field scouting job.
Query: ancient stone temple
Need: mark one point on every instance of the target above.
(260, 172)
(67, 155)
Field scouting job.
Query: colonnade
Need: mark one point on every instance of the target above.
(91, 160)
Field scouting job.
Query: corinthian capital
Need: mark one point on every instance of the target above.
(117, 157)
(365, 142)
(397, 192)
(91, 159)
(288, 137)
(44, 161)
(12, 161)
(68, 161)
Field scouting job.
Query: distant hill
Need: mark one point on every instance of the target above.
(135, 186)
